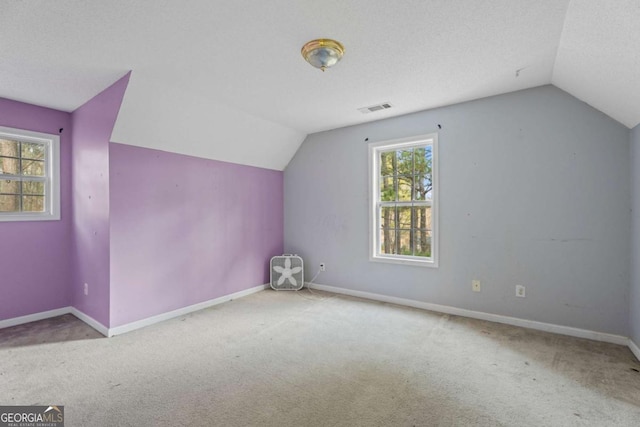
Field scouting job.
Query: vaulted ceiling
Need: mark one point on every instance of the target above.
(224, 79)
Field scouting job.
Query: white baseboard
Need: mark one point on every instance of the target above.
(109, 332)
(634, 349)
(531, 324)
(90, 321)
(34, 317)
(182, 311)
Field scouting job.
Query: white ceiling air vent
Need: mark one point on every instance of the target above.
(374, 108)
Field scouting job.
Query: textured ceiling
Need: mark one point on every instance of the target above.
(599, 57)
(225, 79)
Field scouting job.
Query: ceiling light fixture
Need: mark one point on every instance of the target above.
(323, 53)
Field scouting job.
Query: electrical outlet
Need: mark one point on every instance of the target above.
(520, 291)
(86, 289)
(475, 285)
(323, 266)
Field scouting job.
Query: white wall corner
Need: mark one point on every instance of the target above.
(90, 321)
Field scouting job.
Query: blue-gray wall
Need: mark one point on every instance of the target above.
(534, 190)
(634, 314)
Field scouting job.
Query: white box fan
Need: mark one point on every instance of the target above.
(287, 273)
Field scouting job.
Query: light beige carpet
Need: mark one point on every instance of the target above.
(301, 359)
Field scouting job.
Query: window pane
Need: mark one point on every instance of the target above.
(427, 183)
(422, 187)
(8, 186)
(404, 162)
(33, 151)
(423, 182)
(33, 167)
(388, 189)
(428, 156)
(9, 203)
(419, 159)
(388, 217)
(387, 163)
(9, 148)
(405, 188)
(423, 243)
(9, 165)
(419, 191)
(406, 243)
(404, 217)
(35, 188)
(422, 217)
(33, 203)
(388, 241)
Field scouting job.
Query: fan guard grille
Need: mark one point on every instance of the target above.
(287, 273)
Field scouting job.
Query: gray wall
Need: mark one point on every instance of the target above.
(534, 190)
(634, 315)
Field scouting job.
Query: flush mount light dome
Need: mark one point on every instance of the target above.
(323, 53)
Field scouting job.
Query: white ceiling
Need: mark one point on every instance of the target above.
(599, 57)
(225, 79)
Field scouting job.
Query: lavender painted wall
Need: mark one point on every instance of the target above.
(185, 230)
(34, 256)
(92, 127)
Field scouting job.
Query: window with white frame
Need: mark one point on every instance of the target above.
(403, 212)
(29, 175)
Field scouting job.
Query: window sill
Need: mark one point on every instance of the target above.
(20, 217)
(404, 261)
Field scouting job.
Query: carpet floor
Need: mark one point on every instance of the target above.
(318, 359)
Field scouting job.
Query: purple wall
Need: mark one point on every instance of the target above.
(148, 231)
(92, 127)
(185, 230)
(34, 256)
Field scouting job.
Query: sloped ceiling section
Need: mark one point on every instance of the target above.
(599, 57)
(176, 119)
(225, 80)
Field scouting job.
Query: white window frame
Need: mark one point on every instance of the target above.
(375, 148)
(52, 176)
